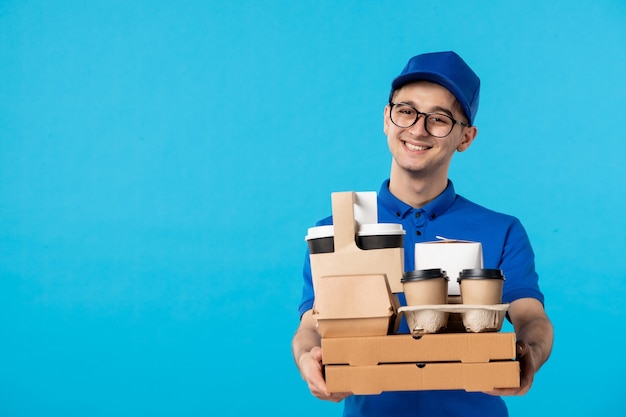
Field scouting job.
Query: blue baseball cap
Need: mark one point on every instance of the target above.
(446, 69)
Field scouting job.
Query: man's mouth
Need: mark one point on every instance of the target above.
(416, 147)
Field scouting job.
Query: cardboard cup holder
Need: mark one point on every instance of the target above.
(347, 258)
(480, 291)
(426, 319)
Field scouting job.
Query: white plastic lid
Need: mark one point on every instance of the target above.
(371, 229)
(319, 232)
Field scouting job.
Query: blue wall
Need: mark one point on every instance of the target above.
(160, 163)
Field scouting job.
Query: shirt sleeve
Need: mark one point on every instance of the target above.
(518, 266)
(308, 297)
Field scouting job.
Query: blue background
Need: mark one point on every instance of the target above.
(160, 163)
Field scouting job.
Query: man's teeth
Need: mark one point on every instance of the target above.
(415, 147)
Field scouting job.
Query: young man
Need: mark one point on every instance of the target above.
(429, 117)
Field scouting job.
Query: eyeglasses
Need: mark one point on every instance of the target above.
(436, 124)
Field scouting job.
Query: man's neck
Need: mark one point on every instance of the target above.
(414, 190)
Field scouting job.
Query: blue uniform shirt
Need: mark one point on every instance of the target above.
(505, 246)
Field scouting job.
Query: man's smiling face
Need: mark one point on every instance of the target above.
(415, 152)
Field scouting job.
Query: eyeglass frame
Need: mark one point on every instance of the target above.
(426, 116)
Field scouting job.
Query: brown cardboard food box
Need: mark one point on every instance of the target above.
(449, 347)
(357, 315)
(355, 305)
(468, 361)
(369, 380)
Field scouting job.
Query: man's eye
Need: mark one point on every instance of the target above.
(440, 119)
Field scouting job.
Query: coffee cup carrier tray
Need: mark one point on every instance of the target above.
(424, 319)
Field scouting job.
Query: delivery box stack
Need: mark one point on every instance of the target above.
(453, 308)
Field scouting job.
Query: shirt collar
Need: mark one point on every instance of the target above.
(433, 209)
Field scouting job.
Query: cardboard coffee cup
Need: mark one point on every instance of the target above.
(481, 286)
(425, 287)
(380, 236)
(320, 239)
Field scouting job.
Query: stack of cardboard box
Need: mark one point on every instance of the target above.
(358, 315)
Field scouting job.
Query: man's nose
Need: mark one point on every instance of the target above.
(419, 127)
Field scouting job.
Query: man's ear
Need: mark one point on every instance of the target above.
(469, 134)
(386, 118)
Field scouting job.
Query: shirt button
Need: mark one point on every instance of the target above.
(417, 232)
(417, 215)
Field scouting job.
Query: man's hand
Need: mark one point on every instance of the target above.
(308, 356)
(310, 365)
(528, 367)
(534, 342)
